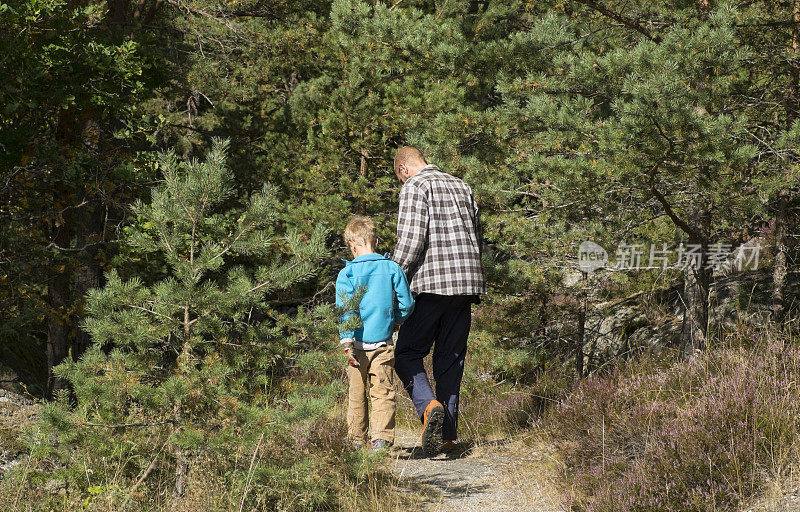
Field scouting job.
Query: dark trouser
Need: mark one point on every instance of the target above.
(441, 322)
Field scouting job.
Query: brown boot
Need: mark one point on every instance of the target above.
(432, 421)
(448, 446)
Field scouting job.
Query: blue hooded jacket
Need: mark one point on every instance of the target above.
(387, 299)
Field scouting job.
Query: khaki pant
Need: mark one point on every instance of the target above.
(375, 373)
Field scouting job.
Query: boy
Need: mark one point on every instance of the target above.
(386, 302)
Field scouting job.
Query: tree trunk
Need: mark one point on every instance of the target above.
(544, 319)
(181, 457)
(84, 131)
(696, 284)
(181, 470)
(362, 171)
(779, 268)
(58, 294)
(580, 336)
(88, 274)
(695, 314)
(791, 104)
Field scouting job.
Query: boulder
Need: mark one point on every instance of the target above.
(619, 328)
(9, 380)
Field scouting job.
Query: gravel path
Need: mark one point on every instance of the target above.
(490, 478)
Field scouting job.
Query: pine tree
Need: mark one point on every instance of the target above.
(635, 124)
(182, 355)
(382, 71)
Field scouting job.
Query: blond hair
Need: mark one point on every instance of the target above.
(360, 230)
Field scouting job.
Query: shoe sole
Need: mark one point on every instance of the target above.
(432, 434)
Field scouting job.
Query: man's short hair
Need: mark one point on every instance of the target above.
(360, 230)
(406, 155)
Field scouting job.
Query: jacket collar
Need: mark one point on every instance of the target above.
(366, 257)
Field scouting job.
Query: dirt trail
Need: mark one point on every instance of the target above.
(496, 477)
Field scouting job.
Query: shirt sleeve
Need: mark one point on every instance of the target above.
(476, 219)
(405, 301)
(412, 227)
(344, 291)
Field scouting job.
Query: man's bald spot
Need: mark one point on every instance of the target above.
(408, 155)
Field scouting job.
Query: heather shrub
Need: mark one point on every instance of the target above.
(658, 434)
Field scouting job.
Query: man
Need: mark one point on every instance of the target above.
(438, 246)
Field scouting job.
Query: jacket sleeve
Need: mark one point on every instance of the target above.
(412, 227)
(344, 291)
(404, 305)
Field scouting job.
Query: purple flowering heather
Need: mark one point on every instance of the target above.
(692, 436)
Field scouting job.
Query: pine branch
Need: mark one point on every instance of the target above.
(162, 315)
(230, 246)
(628, 22)
(166, 242)
(302, 300)
(694, 235)
(207, 14)
(129, 425)
(265, 283)
(73, 249)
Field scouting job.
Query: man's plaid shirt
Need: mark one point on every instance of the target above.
(439, 235)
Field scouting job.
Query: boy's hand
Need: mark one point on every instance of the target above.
(347, 344)
(351, 360)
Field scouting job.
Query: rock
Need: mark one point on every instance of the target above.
(571, 277)
(6, 467)
(619, 328)
(744, 256)
(16, 399)
(54, 485)
(9, 380)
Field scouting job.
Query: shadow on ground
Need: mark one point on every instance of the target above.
(462, 449)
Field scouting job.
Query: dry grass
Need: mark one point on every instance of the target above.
(34, 488)
(537, 474)
(779, 495)
(381, 492)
